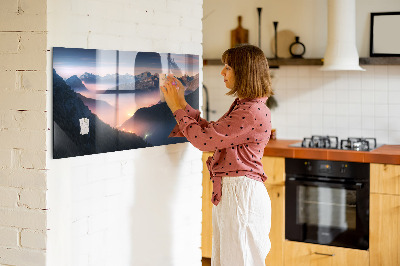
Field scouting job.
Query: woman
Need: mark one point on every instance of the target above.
(242, 209)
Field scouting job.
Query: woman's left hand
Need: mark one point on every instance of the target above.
(170, 90)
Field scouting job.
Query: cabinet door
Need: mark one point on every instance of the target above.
(274, 168)
(277, 233)
(384, 236)
(206, 232)
(305, 254)
(385, 178)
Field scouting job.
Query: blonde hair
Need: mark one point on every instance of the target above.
(250, 66)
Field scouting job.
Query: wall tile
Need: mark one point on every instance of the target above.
(354, 80)
(342, 96)
(368, 123)
(381, 124)
(304, 72)
(394, 123)
(292, 82)
(394, 97)
(342, 109)
(394, 110)
(303, 82)
(342, 122)
(380, 83)
(380, 71)
(381, 136)
(393, 71)
(367, 96)
(342, 80)
(329, 109)
(315, 72)
(381, 97)
(394, 137)
(381, 110)
(368, 110)
(291, 71)
(355, 132)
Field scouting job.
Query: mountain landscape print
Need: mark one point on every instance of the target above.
(110, 100)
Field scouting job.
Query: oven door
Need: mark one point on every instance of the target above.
(327, 213)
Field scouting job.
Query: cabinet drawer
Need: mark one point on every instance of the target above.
(305, 254)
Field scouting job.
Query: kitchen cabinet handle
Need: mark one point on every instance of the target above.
(325, 254)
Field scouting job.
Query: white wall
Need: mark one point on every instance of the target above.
(135, 207)
(304, 18)
(23, 133)
(311, 102)
(343, 104)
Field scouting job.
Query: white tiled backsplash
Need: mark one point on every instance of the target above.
(339, 103)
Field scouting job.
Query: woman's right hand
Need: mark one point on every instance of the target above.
(181, 91)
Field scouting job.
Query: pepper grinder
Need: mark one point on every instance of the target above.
(276, 39)
(259, 26)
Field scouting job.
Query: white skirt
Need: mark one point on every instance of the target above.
(241, 223)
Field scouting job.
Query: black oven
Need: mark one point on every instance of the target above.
(327, 202)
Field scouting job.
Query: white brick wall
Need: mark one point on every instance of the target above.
(100, 206)
(23, 132)
(136, 207)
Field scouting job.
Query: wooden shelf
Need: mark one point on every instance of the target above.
(274, 63)
(380, 61)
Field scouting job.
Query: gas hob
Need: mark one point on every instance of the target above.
(332, 142)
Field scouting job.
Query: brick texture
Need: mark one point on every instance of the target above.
(23, 62)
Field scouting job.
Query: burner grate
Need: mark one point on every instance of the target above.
(327, 142)
(358, 144)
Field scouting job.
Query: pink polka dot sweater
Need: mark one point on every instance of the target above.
(238, 139)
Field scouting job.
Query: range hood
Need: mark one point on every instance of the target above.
(341, 51)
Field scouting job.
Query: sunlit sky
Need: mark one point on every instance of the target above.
(75, 61)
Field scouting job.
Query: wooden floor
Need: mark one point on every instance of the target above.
(206, 261)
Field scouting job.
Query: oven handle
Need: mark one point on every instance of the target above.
(325, 254)
(357, 185)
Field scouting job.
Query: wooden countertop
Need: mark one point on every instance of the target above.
(389, 154)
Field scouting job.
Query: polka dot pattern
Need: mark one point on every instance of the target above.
(238, 139)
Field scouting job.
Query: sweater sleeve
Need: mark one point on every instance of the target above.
(193, 113)
(231, 130)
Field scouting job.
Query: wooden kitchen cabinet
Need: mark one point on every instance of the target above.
(306, 254)
(274, 168)
(277, 233)
(385, 178)
(206, 225)
(384, 236)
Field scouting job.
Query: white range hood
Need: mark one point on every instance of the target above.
(341, 51)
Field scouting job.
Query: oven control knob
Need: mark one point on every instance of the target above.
(343, 168)
(308, 166)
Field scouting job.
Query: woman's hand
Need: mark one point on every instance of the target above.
(174, 91)
(181, 91)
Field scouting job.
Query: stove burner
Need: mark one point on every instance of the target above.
(358, 144)
(328, 142)
(332, 142)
